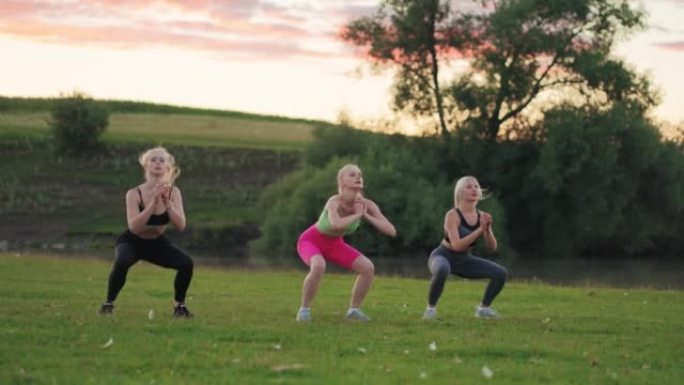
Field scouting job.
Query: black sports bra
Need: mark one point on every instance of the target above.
(155, 219)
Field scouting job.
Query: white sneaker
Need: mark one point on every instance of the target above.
(430, 313)
(304, 314)
(486, 312)
(357, 315)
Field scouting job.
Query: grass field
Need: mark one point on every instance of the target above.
(176, 129)
(244, 331)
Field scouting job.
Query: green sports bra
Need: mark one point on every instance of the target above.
(323, 225)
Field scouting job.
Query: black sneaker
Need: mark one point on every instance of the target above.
(107, 308)
(181, 311)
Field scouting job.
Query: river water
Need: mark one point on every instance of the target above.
(623, 273)
(626, 273)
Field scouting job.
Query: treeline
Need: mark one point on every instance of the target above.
(20, 104)
(592, 182)
(544, 115)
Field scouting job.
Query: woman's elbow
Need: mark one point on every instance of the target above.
(181, 226)
(132, 226)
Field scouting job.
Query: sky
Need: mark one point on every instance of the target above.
(278, 57)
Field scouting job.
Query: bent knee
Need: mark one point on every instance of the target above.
(364, 266)
(370, 268)
(186, 265)
(441, 270)
(501, 274)
(317, 267)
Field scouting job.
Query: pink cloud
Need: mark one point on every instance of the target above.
(15, 9)
(246, 28)
(140, 37)
(672, 46)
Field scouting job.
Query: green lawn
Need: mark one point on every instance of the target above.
(244, 331)
(176, 129)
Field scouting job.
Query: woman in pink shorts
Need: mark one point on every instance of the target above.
(323, 242)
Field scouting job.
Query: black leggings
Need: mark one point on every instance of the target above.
(443, 261)
(130, 249)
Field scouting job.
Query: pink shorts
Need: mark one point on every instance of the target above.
(334, 249)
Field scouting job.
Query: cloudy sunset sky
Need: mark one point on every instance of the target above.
(277, 57)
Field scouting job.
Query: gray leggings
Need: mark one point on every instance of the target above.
(443, 262)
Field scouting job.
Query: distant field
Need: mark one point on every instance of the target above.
(227, 158)
(244, 331)
(23, 105)
(45, 198)
(178, 129)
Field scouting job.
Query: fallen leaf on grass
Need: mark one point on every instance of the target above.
(277, 347)
(423, 375)
(109, 343)
(362, 350)
(433, 346)
(486, 372)
(283, 368)
(150, 315)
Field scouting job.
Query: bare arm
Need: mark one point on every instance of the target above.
(488, 234)
(374, 216)
(174, 206)
(451, 223)
(338, 223)
(137, 220)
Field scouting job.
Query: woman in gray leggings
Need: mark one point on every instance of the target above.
(463, 225)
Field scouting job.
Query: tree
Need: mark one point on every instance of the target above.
(77, 123)
(516, 50)
(606, 184)
(407, 34)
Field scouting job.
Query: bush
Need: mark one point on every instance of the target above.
(401, 175)
(336, 142)
(606, 184)
(77, 123)
(291, 205)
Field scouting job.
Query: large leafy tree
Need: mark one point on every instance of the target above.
(516, 50)
(409, 35)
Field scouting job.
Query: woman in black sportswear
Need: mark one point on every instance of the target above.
(150, 207)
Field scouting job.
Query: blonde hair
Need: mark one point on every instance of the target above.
(460, 185)
(341, 171)
(172, 171)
